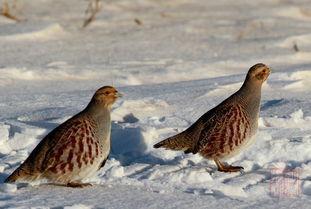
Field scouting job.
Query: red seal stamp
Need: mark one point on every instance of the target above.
(285, 182)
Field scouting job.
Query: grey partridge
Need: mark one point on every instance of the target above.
(75, 149)
(228, 128)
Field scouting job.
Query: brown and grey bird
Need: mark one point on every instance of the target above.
(227, 128)
(75, 149)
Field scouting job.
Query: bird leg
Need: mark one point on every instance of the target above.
(227, 168)
(78, 184)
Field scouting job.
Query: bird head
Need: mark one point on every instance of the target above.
(106, 95)
(258, 73)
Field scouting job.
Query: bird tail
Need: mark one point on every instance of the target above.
(177, 142)
(13, 177)
(20, 174)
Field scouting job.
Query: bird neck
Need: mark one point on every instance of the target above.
(249, 96)
(98, 111)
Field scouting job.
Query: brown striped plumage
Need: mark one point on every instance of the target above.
(75, 149)
(224, 138)
(226, 129)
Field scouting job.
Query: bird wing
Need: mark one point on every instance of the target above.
(41, 157)
(213, 125)
(67, 140)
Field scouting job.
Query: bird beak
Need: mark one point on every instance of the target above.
(118, 95)
(270, 70)
(267, 74)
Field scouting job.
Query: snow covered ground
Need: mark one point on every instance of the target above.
(183, 59)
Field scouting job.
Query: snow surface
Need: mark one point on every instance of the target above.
(185, 58)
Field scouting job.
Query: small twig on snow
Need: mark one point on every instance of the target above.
(5, 11)
(93, 8)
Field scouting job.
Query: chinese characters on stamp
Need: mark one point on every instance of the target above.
(285, 183)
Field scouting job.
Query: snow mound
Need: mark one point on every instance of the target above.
(78, 206)
(295, 12)
(48, 32)
(8, 188)
(302, 82)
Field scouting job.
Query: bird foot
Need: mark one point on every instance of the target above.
(230, 168)
(78, 185)
(223, 167)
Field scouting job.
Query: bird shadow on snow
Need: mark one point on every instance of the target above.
(128, 145)
(271, 103)
(3, 176)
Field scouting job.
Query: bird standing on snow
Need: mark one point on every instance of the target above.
(227, 128)
(75, 149)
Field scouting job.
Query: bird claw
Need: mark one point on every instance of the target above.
(78, 185)
(230, 168)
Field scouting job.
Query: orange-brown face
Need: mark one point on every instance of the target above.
(106, 95)
(259, 72)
